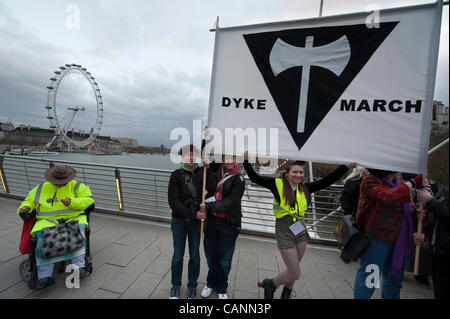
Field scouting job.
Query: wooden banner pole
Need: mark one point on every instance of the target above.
(203, 197)
(419, 231)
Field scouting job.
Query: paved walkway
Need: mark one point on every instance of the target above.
(131, 259)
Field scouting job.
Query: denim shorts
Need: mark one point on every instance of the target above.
(285, 238)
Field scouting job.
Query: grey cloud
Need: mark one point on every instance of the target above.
(152, 60)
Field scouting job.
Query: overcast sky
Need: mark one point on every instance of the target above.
(151, 59)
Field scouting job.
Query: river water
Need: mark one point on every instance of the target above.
(132, 160)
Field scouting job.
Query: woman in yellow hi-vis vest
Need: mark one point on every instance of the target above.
(291, 198)
(60, 199)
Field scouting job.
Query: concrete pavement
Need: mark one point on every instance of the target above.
(131, 259)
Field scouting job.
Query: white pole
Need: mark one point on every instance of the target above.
(313, 199)
(438, 146)
(311, 177)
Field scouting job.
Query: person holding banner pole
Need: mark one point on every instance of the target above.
(391, 246)
(184, 197)
(437, 208)
(291, 199)
(224, 223)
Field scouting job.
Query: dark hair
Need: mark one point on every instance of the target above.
(379, 172)
(288, 194)
(187, 149)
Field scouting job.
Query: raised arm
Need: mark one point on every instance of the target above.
(328, 180)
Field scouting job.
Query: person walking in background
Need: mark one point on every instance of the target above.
(391, 245)
(224, 224)
(437, 237)
(291, 199)
(184, 196)
(350, 195)
(424, 269)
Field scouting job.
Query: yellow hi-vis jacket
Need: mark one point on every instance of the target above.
(46, 200)
(282, 209)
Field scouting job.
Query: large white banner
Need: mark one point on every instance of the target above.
(355, 87)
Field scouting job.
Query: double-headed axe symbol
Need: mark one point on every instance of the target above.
(333, 56)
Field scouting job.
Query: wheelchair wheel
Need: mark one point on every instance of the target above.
(24, 270)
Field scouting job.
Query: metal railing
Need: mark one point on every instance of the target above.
(142, 193)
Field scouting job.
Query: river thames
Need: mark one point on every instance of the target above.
(131, 160)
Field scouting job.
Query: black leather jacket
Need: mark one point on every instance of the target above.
(438, 222)
(350, 196)
(232, 192)
(181, 200)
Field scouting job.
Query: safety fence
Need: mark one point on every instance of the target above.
(142, 193)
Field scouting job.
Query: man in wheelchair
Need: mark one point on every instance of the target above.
(60, 207)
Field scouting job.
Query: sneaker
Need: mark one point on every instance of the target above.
(174, 292)
(222, 296)
(192, 293)
(206, 292)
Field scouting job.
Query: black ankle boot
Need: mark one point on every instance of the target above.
(269, 288)
(286, 293)
(44, 283)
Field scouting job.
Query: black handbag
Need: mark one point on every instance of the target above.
(345, 230)
(359, 241)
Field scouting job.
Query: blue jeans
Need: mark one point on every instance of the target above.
(219, 243)
(377, 256)
(180, 230)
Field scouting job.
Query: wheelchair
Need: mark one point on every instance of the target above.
(28, 267)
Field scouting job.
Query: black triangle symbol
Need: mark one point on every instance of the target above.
(324, 87)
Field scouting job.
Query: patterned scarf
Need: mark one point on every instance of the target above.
(405, 242)
(236, 170)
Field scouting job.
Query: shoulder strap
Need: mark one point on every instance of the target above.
(225, 179)
(190, 184)
(381, 221)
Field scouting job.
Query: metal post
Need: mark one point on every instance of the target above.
(321, 8)
(313, 199)
(156, 191)
(3, 177)
(26, 173)
(119, 189)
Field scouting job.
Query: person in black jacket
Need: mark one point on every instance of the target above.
(224, 223)
(184, 195)
(437, 207)
(350, 194)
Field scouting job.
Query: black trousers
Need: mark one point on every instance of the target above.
(440, 276)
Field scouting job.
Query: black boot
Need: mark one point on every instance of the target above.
(269, 288)
(286, 293)
(44, 283)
